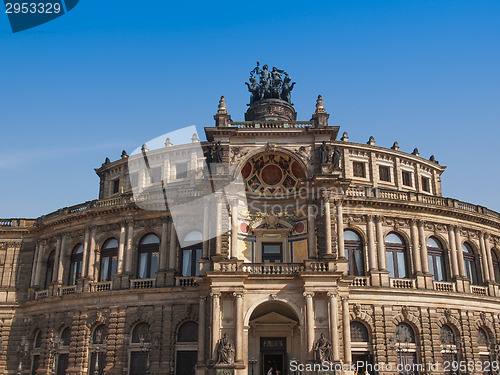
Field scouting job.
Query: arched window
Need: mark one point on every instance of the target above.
(435, 254)
(139, 358)
(396, 256)
(447, 335)
(66, 337)
(75, 269)
(109, 260)
(97, 356)
(185, 348)
(191, 254)
(496, 265)
(50, 269)
(188, 332)
(37, 348)
(449, 350)
(37, 342)
(482, 337)
(353, 245)
(63, 358)
(407, 348)
(148, 256)
(470, 263)
(359, 332)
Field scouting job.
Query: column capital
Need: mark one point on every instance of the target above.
(326, 194)
(338, 202)
(379, 219)
(215, 294)
(370, 217)
(308, 294)
(238, 294)
(165, 219)
(129, 222)
(332, 294)
(202, 298)
(481, 235)
(345, 299)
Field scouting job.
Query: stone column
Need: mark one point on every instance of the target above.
(484, 258)
(340, 229)
(370, 232)
(334, 325)
(234, 229)
(218, 238)
(239, 326)
(310, 323)
(460, 258)
(85, 260)
(453, 251)
(328, 224)
(201, 331)
(382, 262)
(92, 248)
(38, 274)
(60, 265)
(129, 248)
(172, 248)
(215, 321)
(33, 269)
(490, 259)
(121, 249)
(206, 232)
(55, 271)
(423, 247)
(346, 323)
(417, 265)
(311, 237)
(163, 245)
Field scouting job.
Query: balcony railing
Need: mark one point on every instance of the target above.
(361, 281)
(403, 283)
(66, 290)
(42, 294)
(186, 281)
(272, 268)
(101, 286)
(479, 290)
(445, 286)
(318, 266)
(142, 283)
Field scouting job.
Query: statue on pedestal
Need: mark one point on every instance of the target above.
(324, 153)
(225, 351)
(271, 84)
(337, 155)
(322, 350)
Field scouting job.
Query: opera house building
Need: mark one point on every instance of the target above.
(276, 246)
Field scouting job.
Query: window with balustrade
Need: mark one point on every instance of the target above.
(396, 255)
(436, 258)
(49, 271)
(496, 265)
(353, 246)
(109, 260)
(191, 254)
(471, 266)
(75, 268)
(147, 266)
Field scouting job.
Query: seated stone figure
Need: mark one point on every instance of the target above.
(322, 350)
(225, 351)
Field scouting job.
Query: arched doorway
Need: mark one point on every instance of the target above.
(274, 338)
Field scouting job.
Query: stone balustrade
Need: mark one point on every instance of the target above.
(143, 283)
(101, 286)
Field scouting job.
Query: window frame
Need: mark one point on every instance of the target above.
(149, 249)
(196, 252)
(470, 264)
(389, 175)
(393, 249)
(350, 247)
(76, 259)
(359, 166)
(408, 182)
(108, 252)
(433, 253)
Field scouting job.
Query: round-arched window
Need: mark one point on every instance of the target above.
(447, 335)
(470, 263)
(353, 245)
(404, 333)
(99, 334)
(435, 255)
(49, 272)
(149, 246)
(38, 340)
(75, 269)
(482, 338)
(109, 260)
(141, 333)
(359, 332)
(496, 265)
(66, 337)
(188, 332)
(396, 256)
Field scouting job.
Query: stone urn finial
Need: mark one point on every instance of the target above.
(320, 105)
(222, 106)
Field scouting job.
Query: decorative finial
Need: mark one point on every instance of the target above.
(168, 143)
(345, 137)
(222, 106)
(124, 154)
(144, 148)
(107, 161)
(433, 159)
(320, 105)
(415, 152)
(395, 146)
(194, 138)
(371, 141)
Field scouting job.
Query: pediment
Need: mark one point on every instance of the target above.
(273, 318)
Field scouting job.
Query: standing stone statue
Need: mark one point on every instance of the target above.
(276, 82)
(217, 153)
(322, 350)
(337, 155)
(225, 351)
(324, 153)
(254, 88)
(265, 82)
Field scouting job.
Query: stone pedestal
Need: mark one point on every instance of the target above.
(271, 110)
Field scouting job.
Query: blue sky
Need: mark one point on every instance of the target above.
(110, 75)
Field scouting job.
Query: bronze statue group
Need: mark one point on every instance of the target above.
(270, 85)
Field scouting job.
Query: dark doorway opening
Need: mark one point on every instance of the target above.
(363, 362)
(186, 362)
(276, 361)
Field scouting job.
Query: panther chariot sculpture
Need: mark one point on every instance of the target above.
(271, 84)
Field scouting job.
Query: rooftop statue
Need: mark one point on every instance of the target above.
(270, 85)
